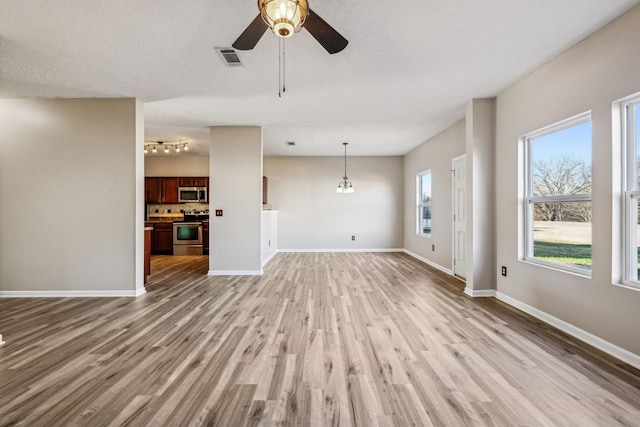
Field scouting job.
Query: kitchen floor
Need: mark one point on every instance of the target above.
(321, 339)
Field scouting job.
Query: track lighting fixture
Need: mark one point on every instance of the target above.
(166, 146)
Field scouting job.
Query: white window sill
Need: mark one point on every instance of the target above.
(634, 287)
(426, 236)
(558, 267)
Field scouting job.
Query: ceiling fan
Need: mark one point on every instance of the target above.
(285, 17)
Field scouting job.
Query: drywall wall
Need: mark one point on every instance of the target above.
(311, 215)
(71, 199)
(175, 165)
(590, 76)
(436, 155)
(236, 189)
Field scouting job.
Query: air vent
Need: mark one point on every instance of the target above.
(229, 57)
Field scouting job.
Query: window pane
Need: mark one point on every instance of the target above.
(634, 230)
(637, 132)
(562, 233)
(426, 188)
(425, 204)
(426, 220)
(561, 162)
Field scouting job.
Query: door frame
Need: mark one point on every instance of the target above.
(453, 209)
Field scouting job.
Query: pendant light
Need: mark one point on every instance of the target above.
(345, 185)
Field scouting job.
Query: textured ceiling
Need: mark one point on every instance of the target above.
(406, 74)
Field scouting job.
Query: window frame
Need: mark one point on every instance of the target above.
(529, 200)
(420, 205)
(630, 191)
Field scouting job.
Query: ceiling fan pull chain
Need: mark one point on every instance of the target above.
(281, 68)
(284, 66)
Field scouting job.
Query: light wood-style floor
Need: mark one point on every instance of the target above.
(319, 340)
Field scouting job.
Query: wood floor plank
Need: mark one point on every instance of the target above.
(321, 339)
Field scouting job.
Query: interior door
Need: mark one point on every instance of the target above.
(459, 216)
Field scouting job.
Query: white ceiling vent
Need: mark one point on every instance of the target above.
(229, 56)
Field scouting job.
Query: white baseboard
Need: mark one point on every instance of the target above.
(269, 258)
(342, 250)
(609, 348)
(235, 273)
(1, 342)
(428, 261)
(71, 294)
(140, 291)
(481, 293)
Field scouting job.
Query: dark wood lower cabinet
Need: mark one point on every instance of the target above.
(161, 238)
(147, 253)
(205, 238)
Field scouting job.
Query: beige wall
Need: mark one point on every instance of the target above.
(589, 76)
(480, 191)
(435, 154)
(71, 202)
(313, 216)
(176, 165)
(236, 188)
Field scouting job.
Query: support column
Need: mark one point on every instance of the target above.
(480, 148)
(236, 190)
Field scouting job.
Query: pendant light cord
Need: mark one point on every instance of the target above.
(345, 161)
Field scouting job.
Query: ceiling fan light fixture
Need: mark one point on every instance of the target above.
(284, 17)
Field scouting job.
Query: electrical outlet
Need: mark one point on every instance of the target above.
(218, 212)
(504, 271)
(433, 248)
(353, 237)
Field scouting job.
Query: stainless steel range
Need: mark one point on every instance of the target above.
(187, 238)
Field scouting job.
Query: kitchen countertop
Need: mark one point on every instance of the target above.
(156, 217)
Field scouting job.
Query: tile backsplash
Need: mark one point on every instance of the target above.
(177, 208)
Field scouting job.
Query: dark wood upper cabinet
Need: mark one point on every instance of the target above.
(193, 181)
(169, 190)
(201, 182)
(186, 182)
(152, 190)
(165, 190)
(265, 190)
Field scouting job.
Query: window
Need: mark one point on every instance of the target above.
(558, 195)
(631, 132)
(424, 203)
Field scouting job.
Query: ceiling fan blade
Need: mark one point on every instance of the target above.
(252, 35)
(324, 33)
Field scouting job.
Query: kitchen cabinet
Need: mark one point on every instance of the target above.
(265, 190)
(158, 190)
(193, 181)
(169, 190)
(162, 238)
(205, 238)
(148, 231)
(161, 190)
(153, 190)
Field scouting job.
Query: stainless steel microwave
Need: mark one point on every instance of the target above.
(192, 194)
